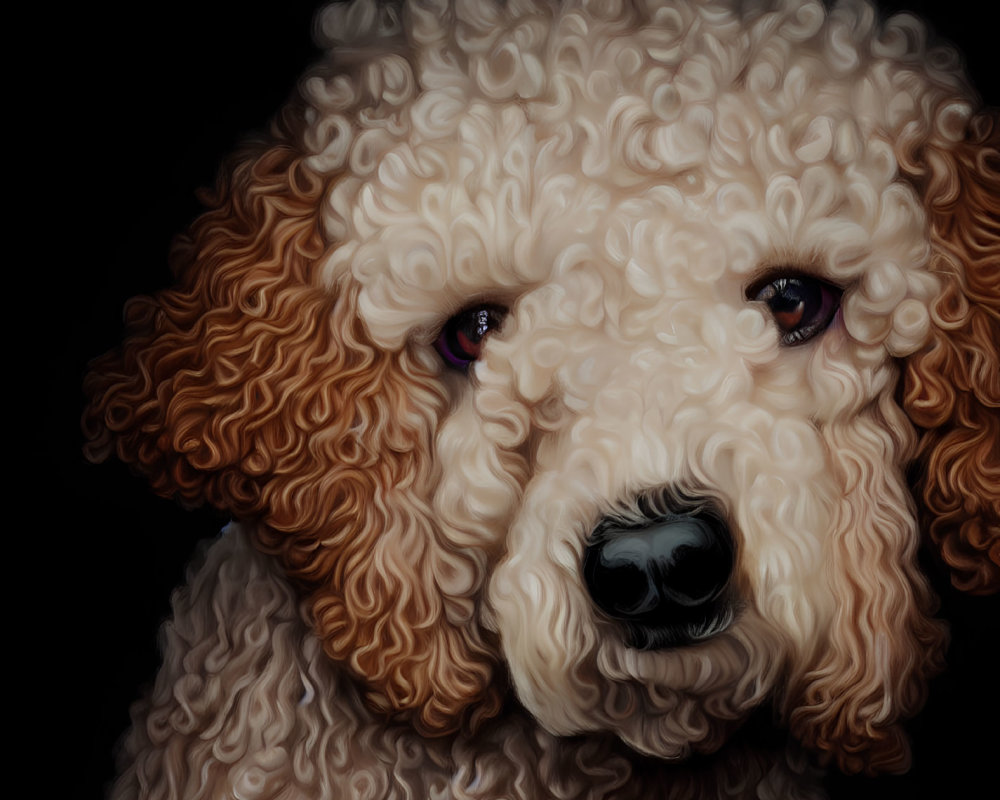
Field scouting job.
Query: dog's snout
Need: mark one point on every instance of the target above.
(665, 580)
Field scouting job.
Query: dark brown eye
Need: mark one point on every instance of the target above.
(802, 306)
(461, 339)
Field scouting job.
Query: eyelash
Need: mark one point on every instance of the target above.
(802, 305)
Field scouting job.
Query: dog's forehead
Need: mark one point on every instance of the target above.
(491, 147)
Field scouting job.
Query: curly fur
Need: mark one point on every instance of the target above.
(953, 385)
(616, 174)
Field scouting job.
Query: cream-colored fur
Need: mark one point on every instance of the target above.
(616, 175)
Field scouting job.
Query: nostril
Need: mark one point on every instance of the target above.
(618, 578)
(696, 571)
(667, 574)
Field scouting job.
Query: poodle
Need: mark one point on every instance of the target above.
(582, 379)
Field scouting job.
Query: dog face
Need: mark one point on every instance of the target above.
(590, 344)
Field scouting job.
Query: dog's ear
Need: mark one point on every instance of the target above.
(254, 387)
(848, 695)
(883, 644)
(952, 387)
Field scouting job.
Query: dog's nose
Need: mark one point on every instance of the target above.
(666, 580)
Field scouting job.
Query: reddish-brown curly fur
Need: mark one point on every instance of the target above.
(255, 389)
(952, 387)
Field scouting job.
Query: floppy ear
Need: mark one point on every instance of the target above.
(255, 388)
(871, 669)
(952, 387)
(883, 645)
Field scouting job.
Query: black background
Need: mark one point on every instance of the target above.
(114, 120)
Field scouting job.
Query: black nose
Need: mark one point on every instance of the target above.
(665, 580)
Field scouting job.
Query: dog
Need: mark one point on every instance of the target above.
(582, 379)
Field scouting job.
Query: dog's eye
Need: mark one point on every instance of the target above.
(803, 306)
(461, 339)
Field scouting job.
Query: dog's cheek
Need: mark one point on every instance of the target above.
(482, 454)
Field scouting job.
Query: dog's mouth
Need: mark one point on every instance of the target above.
(664, 577)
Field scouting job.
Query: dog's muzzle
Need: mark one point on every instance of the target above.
(665, 580)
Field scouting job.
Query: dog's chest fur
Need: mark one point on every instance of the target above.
(246, 692)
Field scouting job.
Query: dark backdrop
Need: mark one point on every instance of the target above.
(115, 123)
